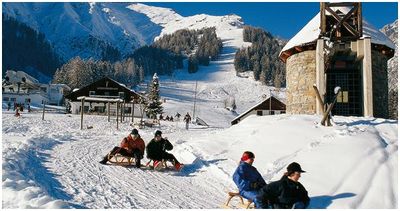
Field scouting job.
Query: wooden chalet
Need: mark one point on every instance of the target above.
(99, 94)
(270, 106)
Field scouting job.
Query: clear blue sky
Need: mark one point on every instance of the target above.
(282, 19)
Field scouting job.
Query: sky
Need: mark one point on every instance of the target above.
(283, 19)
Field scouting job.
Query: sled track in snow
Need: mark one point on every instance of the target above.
(109, 186)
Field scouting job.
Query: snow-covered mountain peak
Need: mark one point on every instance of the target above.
(227, 26)
(71, 27)
(158, 15)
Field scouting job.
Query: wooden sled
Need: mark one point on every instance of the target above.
(248, 205)
(162, 167)
(119, 159)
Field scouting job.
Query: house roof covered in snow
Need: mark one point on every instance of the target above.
(263, 105)
(309, 34)
(106, 88)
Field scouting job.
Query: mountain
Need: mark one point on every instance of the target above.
(391, 30)
(86, 29)
(27, 50)
(227, 26)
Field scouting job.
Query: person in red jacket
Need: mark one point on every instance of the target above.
(132, 145)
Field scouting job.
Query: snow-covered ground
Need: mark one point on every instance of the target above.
(54, 164)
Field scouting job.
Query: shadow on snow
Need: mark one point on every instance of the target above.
(322, 202)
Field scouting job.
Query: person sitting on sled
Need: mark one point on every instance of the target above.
(288, 192)
(248, 180)
(132, 146)
(156, 151)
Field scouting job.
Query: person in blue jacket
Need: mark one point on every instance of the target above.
(248, 179)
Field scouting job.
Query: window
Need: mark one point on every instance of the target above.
(259, 113)
(343, 97)
(13, 99)
(272, 112)
(121, 94)
(107, 93)
(6, 99)
(27, 100)
(91, 93)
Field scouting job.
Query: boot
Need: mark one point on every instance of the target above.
(137, 163)
(178, 166)
(104, 161)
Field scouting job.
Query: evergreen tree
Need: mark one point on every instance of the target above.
(262, 57)
(154, 106)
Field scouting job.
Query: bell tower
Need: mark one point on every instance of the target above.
(339, 25)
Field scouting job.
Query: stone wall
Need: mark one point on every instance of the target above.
(300, 77)
(380, 85)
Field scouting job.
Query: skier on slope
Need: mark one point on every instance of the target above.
(156, 151)
(132, 145)
(187, 119)
(286, 193)
(248, 179)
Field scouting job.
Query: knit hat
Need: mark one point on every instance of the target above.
(135, 132)
(247, 155)
(157, 133)
(294, 167)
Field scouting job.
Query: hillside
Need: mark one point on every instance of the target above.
(90, 25)
(216, 82)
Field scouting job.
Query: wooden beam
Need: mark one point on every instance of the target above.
(323, 18)
(345, 24)
(44, 104)
(133, 111)
(339, 4)
(326, 114)
(117, 114)
(298, 48)
(82, 108)
(321, 103)
(359, 19)
(108, 111)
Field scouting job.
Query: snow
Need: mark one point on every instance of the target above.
(337, 89)
(53, 164)
(310, 32)
(353, 164)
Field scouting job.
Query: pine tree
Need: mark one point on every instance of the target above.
(154, 107)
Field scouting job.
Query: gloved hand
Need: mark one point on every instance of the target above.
(254, 185)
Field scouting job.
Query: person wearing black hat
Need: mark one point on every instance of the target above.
(156, 151)
(132, 146)
(288, 192)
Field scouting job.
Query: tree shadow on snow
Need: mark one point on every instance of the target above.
(322, 202)
(196, 166)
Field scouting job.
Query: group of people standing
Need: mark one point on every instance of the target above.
(134, 146)
(286, 193)
(187, 118)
